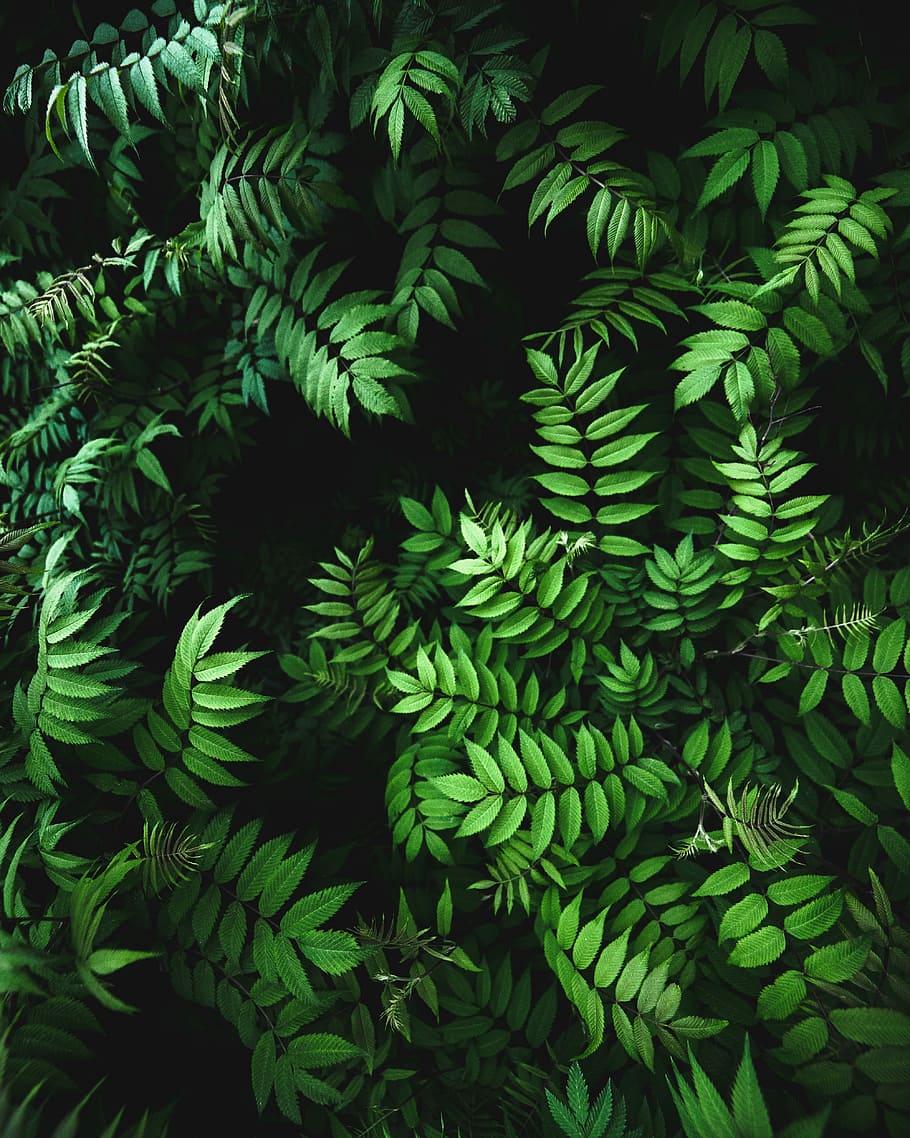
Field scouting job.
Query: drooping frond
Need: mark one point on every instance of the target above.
(854, 620)
(848, 553)
(759, 822)
(170, 854)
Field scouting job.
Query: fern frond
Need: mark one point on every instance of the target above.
(89, 366)
(349, 689)
(170, 854)
(12, 540)
(703, 1112)
(124, 79)
(382, 935)
(855, 621)
(53, 306)
(849, 553)
(758, 818)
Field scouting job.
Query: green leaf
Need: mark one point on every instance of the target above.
(696, 32)
(284, 880)
(779, 999)
(797, 889)
(480, 817)
(562, 106)
(750, 1114)
(232, 931)
(444, 911)
(695, 386)
(422, 110)
(507, 821)
(668, 1003)
(733, 314)
(724, 174)
(569, 816)
(722, 142)
(856, 698)
(460, 787)
(290, 969)
(742, 917)
(900, 773)
(701, 1103)
(895, 846)
(618, 226)
(144, 85)
(511, 766)
(181, 65)
(395, 127)
(77, 113)
(455, 264)
(853, 805)
(564, 456)
(417, 514)
(622, 1025)
(733, 56)
(597, 809)
(739, 387)
(758, 948)
(723, 880)
(620, 450)
(567, 926)
(645, 781)
(599, 213)
(534, 762)
(568, 485)
(263, 1069)
(314, 909)
(792, 158)
(857, 235)
(577, 1093)
(466, 233)
(485, 767)
(771, 57)
(675, 26)
(412, 703)
(837, 962)
(114, 100)
(632, 975)
(286, 1089)
(784, 357)
(872, 1025)
(809, 330)
(765, 173)
(566, 1120)
(695, 747)
(889, 646)
(811, 920)
(611, 960)
(813, 691)
(697, 1027)
(104, 961)
(260, 867)
(321, 1049)
(530, 166)
(187, 789)
(587, 943)
(889, 700)
(886, 1064)
(652, 988)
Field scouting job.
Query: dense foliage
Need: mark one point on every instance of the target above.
(439, 647)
